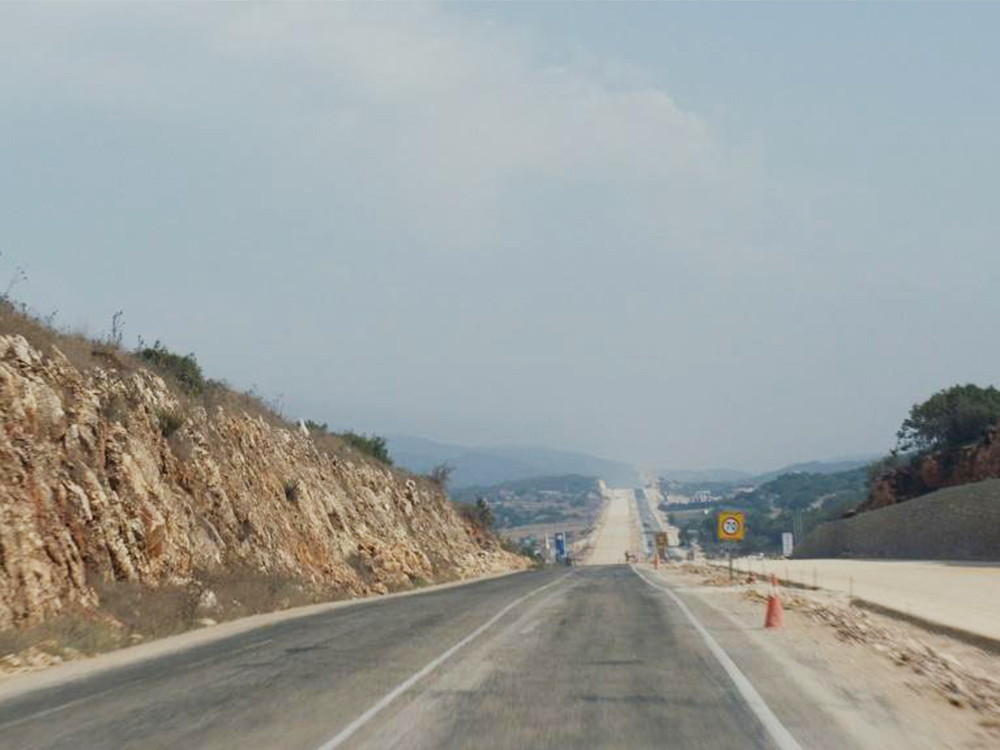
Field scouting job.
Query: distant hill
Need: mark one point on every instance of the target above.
(737, 477)
(691, 476)
(837, 466)
(568, 500)
(795, 501)
(568, 483)
(799, 490)
(495, 465)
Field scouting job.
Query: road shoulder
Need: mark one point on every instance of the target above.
(869, 702)
(14, 685)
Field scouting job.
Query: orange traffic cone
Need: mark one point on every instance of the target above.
(775, 612)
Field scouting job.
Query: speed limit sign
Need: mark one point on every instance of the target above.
(731, 527)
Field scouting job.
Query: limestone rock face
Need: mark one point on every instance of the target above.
(95, 481)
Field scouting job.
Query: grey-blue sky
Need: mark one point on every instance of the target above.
(677, 234)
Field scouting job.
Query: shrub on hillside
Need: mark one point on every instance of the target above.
(520, 548)
(479, 514)
(371, 445)
(182, 368)
(440, 474)
(170, 421)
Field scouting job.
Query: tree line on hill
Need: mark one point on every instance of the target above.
(798, 502)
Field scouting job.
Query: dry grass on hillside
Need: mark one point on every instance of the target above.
(87, 353)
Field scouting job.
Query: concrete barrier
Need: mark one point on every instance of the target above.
(957, 523)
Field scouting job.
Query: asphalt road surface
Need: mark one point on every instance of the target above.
(590, 657)
(616, 532)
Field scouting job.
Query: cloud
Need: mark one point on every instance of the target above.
(458, 119)
(444, 120)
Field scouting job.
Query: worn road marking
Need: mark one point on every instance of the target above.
(781, 736)
(531, 626)
(347, 732)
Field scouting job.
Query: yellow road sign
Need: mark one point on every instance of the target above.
(731, 527)
(662, 540)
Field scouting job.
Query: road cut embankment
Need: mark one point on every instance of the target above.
(958, 523)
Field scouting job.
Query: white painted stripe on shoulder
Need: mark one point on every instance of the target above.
(771, 723)
(347, 732)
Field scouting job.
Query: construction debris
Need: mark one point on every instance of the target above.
(959, 683)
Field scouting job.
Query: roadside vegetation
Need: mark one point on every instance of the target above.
(479, 515)
(373, 446)
(949, 419)
(792, 502)
(944, 424)
(182, 373)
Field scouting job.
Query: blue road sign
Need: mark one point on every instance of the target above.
(560, 545)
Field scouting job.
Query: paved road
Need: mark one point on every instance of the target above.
(654, 497)
(650, 523)
(594, 657)
(617, 531)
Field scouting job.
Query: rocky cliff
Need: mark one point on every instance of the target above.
(935, 471)
(109, 474)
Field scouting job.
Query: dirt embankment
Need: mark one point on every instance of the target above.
(935, 471)
(108, 478)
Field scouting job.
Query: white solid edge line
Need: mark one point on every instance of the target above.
(345, 734)
(781, 736)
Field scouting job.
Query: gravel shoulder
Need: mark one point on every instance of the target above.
(960, 595)
(887, 684)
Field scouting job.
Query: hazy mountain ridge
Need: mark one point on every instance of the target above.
(736, 476)
(833, 466)
(705, 475)
(493, 465)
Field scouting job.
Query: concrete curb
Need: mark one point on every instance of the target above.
(61, 674)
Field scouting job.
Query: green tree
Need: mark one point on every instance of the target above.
(950, 418)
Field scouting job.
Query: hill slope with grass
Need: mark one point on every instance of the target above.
(127, 479)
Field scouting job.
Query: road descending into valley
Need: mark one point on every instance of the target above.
(599, 656)
(617, 529)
